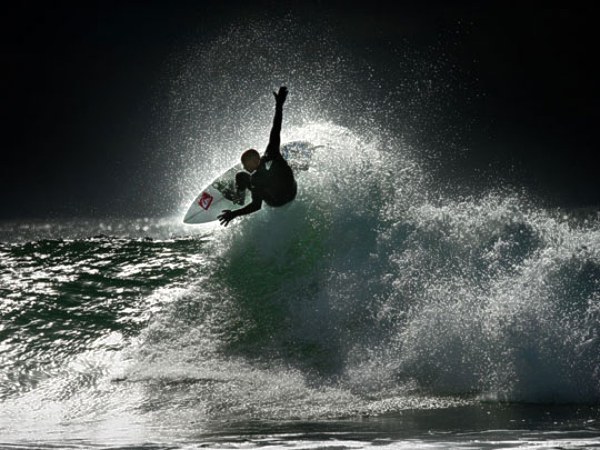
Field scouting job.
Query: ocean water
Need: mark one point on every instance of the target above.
(377, 309)
(376, 314)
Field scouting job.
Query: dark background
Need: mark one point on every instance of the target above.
(80, 80)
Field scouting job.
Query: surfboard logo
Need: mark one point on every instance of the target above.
(205, 200)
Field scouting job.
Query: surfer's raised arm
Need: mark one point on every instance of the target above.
(275, 136)
(270, 178)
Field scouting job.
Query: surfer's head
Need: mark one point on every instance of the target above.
(250, 160)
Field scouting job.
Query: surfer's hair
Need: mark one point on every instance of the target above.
(249, 155)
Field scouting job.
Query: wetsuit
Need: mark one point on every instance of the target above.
(273, 182)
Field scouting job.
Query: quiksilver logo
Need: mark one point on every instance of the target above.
(205, 200)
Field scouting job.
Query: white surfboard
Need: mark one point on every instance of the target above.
(221, 193)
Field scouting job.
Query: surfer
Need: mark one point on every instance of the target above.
(268, 178)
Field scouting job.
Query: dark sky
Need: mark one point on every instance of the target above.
(80, 84)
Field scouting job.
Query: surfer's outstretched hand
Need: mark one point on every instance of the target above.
(281, 95)
(227, 216)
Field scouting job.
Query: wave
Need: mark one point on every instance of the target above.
(372, 292)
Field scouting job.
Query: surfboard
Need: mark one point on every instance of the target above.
(221, 192)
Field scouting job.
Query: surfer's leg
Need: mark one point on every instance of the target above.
(242, 182)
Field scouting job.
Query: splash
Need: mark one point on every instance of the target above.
(375, 290)
(220, 100)
(373, 293)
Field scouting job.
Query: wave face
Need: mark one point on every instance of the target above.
(373, 292)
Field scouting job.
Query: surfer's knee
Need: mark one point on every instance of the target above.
(242, 180)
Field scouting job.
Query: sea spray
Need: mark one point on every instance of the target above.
(376, 290)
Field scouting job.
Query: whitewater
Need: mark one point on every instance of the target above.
(376, 309)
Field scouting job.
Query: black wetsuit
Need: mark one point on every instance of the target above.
(273, 182)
